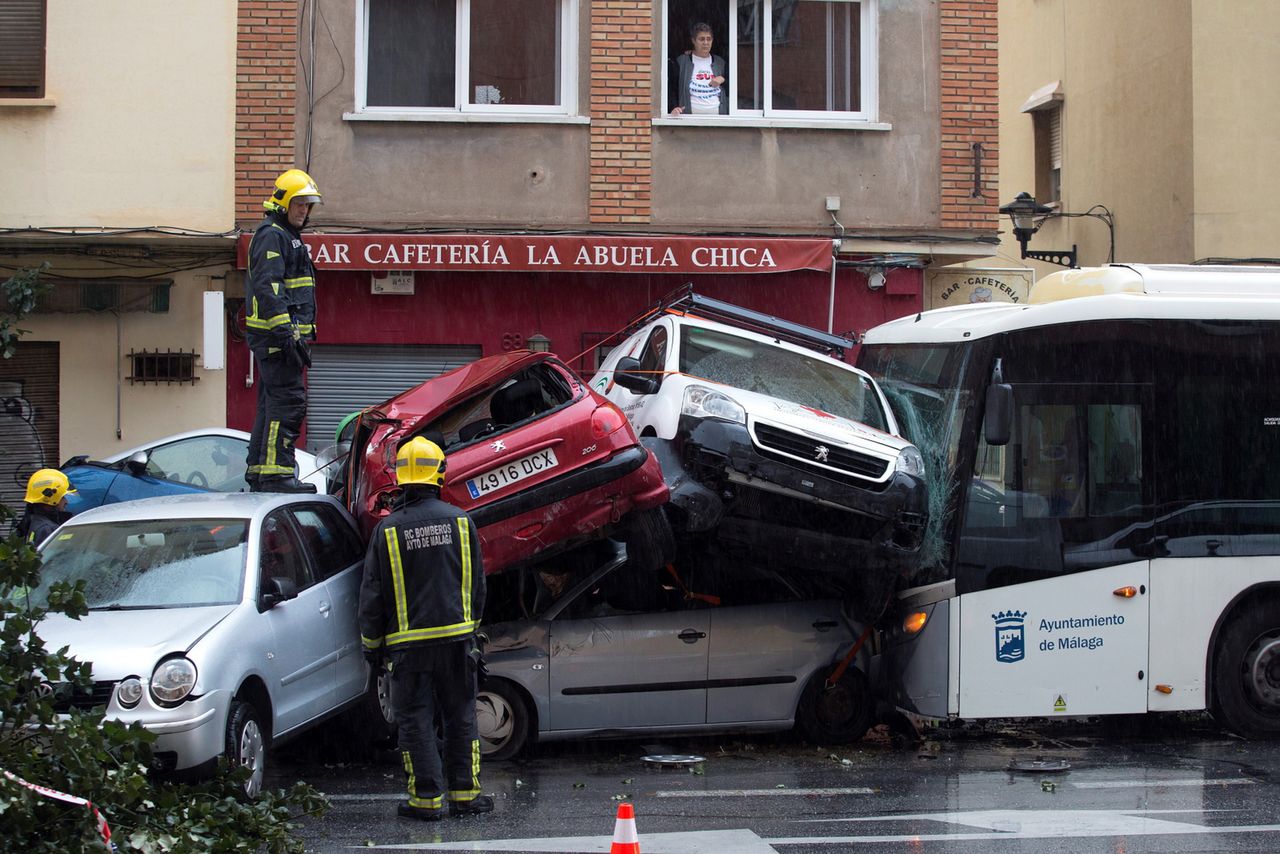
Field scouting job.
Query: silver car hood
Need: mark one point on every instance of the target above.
(125, 643)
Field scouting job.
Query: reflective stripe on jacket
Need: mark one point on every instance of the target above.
(423, 577)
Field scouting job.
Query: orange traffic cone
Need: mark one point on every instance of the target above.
(625, 840)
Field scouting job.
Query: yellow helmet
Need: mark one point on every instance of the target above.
(47, 486)
(420, 461)
(292, 185)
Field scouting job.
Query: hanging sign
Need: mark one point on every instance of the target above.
(964, 285)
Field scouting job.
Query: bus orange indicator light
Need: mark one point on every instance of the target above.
(1126, 592)
(914, 622)
(1164, 689)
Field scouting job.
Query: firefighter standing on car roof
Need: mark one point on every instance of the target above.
(46, 508)
(421, 600)
(280, 317)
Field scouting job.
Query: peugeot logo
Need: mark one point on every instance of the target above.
(498, 446)
(821, 453)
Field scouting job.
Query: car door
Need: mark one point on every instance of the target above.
(302, 659)
(337, 558)
(761, 655)
(614, 666)
(654, 357)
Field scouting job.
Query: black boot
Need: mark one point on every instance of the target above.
(475, 806)
(284, 484)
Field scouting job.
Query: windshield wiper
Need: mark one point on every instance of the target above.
(116, 606)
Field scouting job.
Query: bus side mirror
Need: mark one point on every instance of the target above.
(997, 422)
(636, 383)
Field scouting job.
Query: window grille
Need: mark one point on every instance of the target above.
(163, 366)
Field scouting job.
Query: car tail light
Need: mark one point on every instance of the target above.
(605, 420)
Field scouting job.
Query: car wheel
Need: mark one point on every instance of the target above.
(1246, 672)
(841, 714)
(502, 720)
(650, 543)
(247, 745)
(371, 722)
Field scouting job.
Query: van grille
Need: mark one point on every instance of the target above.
(806, 448)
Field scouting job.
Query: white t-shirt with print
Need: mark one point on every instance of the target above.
(701, 91)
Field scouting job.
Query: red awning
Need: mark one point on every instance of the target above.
(561, 253)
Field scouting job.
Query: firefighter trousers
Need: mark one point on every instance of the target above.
(282, 405)
(430, 684)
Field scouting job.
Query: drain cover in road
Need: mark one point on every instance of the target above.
(673, 760)
(1039, 765)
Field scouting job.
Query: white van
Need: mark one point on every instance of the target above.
(769, 439)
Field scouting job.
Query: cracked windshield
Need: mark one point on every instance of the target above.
(750, 365)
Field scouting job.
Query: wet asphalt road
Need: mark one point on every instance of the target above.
(1156, 785)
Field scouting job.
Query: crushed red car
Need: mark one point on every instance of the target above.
(540, 461)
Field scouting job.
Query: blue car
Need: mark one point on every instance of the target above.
(198, 461)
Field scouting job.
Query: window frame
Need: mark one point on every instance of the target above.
(38, 93)
(868, 70)
(567, 72)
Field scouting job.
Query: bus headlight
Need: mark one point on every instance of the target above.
(173, 680)
(702, 402)
(910, 462)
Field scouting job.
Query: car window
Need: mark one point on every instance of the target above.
(329, 538)
(814, 381)
(521, 397)
(281, 554)
(148, 563)
(653, 361)
(209, 462)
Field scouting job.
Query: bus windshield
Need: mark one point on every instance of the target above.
(926, 387)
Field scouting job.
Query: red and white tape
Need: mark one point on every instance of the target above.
(70, 799)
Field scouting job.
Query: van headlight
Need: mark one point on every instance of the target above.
(910, 462)
(702, 402)
(172, 680)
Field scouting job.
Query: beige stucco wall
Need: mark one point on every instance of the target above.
(405, 174)
(140, 132)
(1170, 119)
(1237, 127)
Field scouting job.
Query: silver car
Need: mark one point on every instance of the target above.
(224, 623)
(700, 651)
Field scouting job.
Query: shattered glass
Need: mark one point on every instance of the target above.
(812, 381)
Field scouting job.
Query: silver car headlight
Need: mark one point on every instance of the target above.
(129, 692)
(173, 680)
(910, 462)
(702, 402)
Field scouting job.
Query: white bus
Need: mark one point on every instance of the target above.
(1104, 467)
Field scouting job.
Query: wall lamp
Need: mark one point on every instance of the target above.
(538, 343)
(1028, 215)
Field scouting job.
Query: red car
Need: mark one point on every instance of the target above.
(541, 461)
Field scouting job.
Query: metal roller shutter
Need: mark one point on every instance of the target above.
(28, 417)
(345, 378)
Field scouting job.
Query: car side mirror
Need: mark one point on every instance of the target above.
(137, 464)
(997, 421)
(278, 590)
(627, 374)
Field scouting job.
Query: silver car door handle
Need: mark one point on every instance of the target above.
(691, 636)
(324, 608)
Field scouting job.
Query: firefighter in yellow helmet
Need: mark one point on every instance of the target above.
(280, 321)
(46, 506)
(421, 600)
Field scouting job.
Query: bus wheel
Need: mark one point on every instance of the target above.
(841, 714)
(1246, 673)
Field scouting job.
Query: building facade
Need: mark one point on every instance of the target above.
(117, 172)
(1159, 114)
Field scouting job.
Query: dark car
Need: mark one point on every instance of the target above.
(540, 461)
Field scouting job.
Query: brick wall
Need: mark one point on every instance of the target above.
(266, 91)
(621, 107)
(970, 113)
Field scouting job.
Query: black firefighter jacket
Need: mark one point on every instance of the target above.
(280, 287)
(423, 578)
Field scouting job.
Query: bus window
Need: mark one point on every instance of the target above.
(1060, 496)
